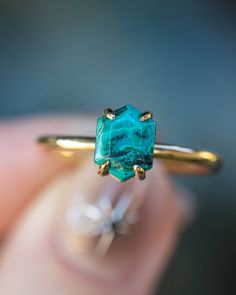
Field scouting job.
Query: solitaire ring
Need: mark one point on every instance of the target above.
(125, 147)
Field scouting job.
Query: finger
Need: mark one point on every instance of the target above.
(24, 169)
(46, 253)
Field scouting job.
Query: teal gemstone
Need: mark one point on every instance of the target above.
(125, 141)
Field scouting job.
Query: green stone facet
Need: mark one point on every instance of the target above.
(125, 142)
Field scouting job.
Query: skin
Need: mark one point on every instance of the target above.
(35, 189)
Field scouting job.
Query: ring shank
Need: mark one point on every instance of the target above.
(177, 159)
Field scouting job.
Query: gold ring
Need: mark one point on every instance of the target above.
(125, 146)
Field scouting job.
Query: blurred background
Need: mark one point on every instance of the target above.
(176, 58)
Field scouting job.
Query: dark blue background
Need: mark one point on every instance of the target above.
(175, 58)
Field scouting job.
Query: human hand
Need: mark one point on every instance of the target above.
(41, 252)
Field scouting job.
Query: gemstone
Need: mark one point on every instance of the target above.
(125, 141)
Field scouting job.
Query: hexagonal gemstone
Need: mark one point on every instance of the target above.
(125, 141)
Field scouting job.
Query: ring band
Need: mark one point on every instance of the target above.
(124, 160)
(177, 159)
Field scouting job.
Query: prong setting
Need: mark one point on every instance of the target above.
(145, 116)
(125, 141)
(104, 169)
(109, 113)
(139, 172)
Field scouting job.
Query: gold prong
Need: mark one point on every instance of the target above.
(109, 113)
(104, 169)
(139, 172)
(145, 116)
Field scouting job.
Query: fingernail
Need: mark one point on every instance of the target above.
(98, 220)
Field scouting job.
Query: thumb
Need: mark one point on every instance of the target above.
(86, 234)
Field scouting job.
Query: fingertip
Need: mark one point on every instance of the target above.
(25, 168)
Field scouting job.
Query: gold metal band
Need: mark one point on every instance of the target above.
(177, 159)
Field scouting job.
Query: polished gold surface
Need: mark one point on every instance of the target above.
(109, 113)
(177, 159)
(145, 116)
(104, 169)
(139, 172)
